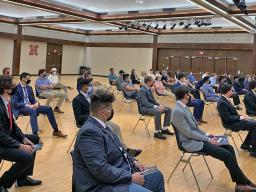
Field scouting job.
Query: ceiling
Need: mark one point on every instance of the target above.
(127, 16)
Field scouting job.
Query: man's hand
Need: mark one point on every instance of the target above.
(36, 105)
(26, 148)
(214, 141)
(138, 165)
(26, 141)
(138, 178)
(161, 108)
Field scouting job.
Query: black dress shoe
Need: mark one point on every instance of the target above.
(159, 136)
(134, 152)
(28, 182)
(245, 147)
(239, 108)
(167, 132)
(253, 154)
(3, 189)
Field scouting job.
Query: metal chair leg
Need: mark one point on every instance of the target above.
(180, 159)
(1, 166)
(194, 175)
(146, 127)
(208, 167)
(136, 125)
(235, 144)
(27, 126)
(72, 142)
(240, 137)
(187, 162)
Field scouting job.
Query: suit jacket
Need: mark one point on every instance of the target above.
(18, 98)
(146, 99)
(8, 138)
(237, 87)
(190, 135)
(250, 103)
(78, 86)
(208, 92)
(176, 86)
(99, 165)
(228, 114)
(81, 109)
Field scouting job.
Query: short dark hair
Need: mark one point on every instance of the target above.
(225, 88)
(126, 76)
(121, 72)
(101, 98)
(252, 84)
(5, 83)
(148, 78)
(206, 78)
(236, 77)
(83, 82)
(24, 75)
(180, 76)
(41, 71)
(111, 69)
(181, 92)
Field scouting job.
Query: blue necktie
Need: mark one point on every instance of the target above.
(26, 100)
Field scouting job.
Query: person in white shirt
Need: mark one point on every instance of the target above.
(54, 79)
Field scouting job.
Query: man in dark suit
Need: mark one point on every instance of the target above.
(24, 102)
(197, 104)
(81, 109)
(232, 120)
(149, 106)
(194, 139)
(250, 99)
(238, 87)
(14, 145)
(100, 162)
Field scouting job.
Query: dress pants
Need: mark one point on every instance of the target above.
(61, 86)
(23, 166)
(134, 95)
(157, 114)
(153, 183)
(198, 108)
(247, 125)
(49, 95)
(236, 99)
(195, 93)
(226, 154)
(42, 109)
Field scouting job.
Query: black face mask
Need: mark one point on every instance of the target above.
(189, 99)
(111, 116)
(28, 82)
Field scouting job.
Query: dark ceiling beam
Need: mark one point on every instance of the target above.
(194, 31)
(49, 20)
(11, 20)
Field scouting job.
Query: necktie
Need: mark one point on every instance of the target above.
(26, 100)
(10, 113)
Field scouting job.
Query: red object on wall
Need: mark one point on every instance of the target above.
(33, 49)
(201, 52)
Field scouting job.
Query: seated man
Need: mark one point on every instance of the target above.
(130, 91)
(54, 80)
(14, 145)
(100, 162)
(192, 78)
(237, 86)
(250, 99)
(6, 71)
(120, 80)
(82, 112)
(197, 104)
(149, 106)
(209, 92)
(25, 103)
(246, 82)
(232, 120)
(112, 76)
(165, 79)
(44, 88)
(194, 139)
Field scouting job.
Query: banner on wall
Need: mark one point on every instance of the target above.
(33, 49)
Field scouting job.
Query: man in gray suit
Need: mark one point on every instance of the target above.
(100, 162)
(194, 139)
(149, 106)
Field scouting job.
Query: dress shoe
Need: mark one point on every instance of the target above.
(59, 134)
(67, 100)
(202, 121)
(244, 188)
(71, 88)
(253, 154)
(57, 109)
(199, 123)
(28, 182)
(239, 108)
(134, 152)
(245, 147)
(159, 136)
(167, 132)
(3, 189)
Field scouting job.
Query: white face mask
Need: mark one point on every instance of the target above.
(54, 73)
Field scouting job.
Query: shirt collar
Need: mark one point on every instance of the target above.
(6, 101)
(23, 85)
(100, 122)
(182, 104)
(226, 97)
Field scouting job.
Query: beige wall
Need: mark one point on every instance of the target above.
(73, 57)
(6, 51)
(32, 63)
(101, 59)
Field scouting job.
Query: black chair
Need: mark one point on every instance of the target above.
(187, 161)
(142, 118)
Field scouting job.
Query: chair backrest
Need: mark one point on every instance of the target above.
(37, 94)
(179, 143)
(157, 93)
(138, 105)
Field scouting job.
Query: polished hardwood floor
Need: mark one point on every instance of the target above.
(54, 165)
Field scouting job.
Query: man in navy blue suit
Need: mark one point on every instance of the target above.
(24, 102)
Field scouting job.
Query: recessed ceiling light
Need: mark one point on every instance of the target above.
(140, 1)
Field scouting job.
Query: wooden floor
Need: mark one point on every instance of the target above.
(54, 165)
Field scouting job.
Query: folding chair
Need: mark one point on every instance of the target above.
(43, 98)
(73, 140)
(27, 124)
(208, 103)
(127, 100)
(187, 161)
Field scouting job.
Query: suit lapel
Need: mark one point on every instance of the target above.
(3, 107)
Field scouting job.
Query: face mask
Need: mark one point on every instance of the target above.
(44, 75)
(111, 116)
(28, 82)
(189, 99)
(54, 73)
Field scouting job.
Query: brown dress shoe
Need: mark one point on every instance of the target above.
(202, 121)
(59, 134)
(244, 188)
(57, 109)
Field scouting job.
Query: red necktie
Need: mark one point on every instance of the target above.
(10, 113)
